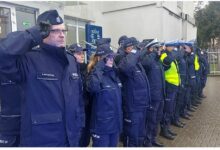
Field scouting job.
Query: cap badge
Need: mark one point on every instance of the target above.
(58, 19)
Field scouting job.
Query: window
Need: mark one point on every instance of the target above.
(76, 31)
(71, 35)
(26, 17)
(5, 21)
(82, 35)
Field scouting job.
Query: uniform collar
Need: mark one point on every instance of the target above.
(59, 52)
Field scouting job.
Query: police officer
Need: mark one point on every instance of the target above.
(182, 88)
(136, 96)
(204, 71)
(135, 42)
(195, 84)
(184, 91)
(168, 58)
(85, 103)
(120, 43)
(10, 115)
(191, 85)
(155, 73)
(50, 112)
(120, 50)
(198, 70)
(105, 87)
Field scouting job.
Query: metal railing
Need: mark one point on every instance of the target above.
(214, 61)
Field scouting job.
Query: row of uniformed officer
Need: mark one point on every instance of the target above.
(58, 92)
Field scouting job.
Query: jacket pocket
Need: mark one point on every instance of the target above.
(105, 123)
(47, 129)
(46, 118)
(106, 100)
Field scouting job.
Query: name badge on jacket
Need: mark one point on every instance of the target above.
(46, 76)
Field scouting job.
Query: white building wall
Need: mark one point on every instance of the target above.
(120, 5)
(188, 7)
(191, 32)
(140, 22)
(141, 19)
(171, 5)
(172, 27)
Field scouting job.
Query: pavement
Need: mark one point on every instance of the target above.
(203, 130)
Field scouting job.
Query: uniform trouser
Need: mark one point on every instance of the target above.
(194, 90)
(105, 140)
(198, 83)
(85, 135)
(180, 100)
(9, 140)
(134, 128)
(203, 83)
(156, 118)
(169, 105)
(186, 101)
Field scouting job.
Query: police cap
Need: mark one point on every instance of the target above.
(50, 16)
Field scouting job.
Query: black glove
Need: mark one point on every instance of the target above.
(44, 29)
(39, 32)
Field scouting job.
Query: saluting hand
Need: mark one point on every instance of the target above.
(44, 29)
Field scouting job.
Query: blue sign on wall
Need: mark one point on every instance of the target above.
(92, 33)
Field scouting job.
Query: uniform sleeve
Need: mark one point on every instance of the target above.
(148, 60)
(128, 62)
(13, 47)
(191, 59)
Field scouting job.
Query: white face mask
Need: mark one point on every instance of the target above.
(133, 51)
(175, 49)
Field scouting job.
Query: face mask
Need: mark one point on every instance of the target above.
(133, 51)
(175, 49)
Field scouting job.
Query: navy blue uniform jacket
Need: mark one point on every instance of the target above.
(135, 90)
(105, 87)
(155, 74)
(50, 112)
(10, 100)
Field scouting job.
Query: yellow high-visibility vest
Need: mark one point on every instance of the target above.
(171, 74)
(196, 63)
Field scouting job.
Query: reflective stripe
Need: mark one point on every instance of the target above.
(10, 116)
(192, 77)
(3, 141)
